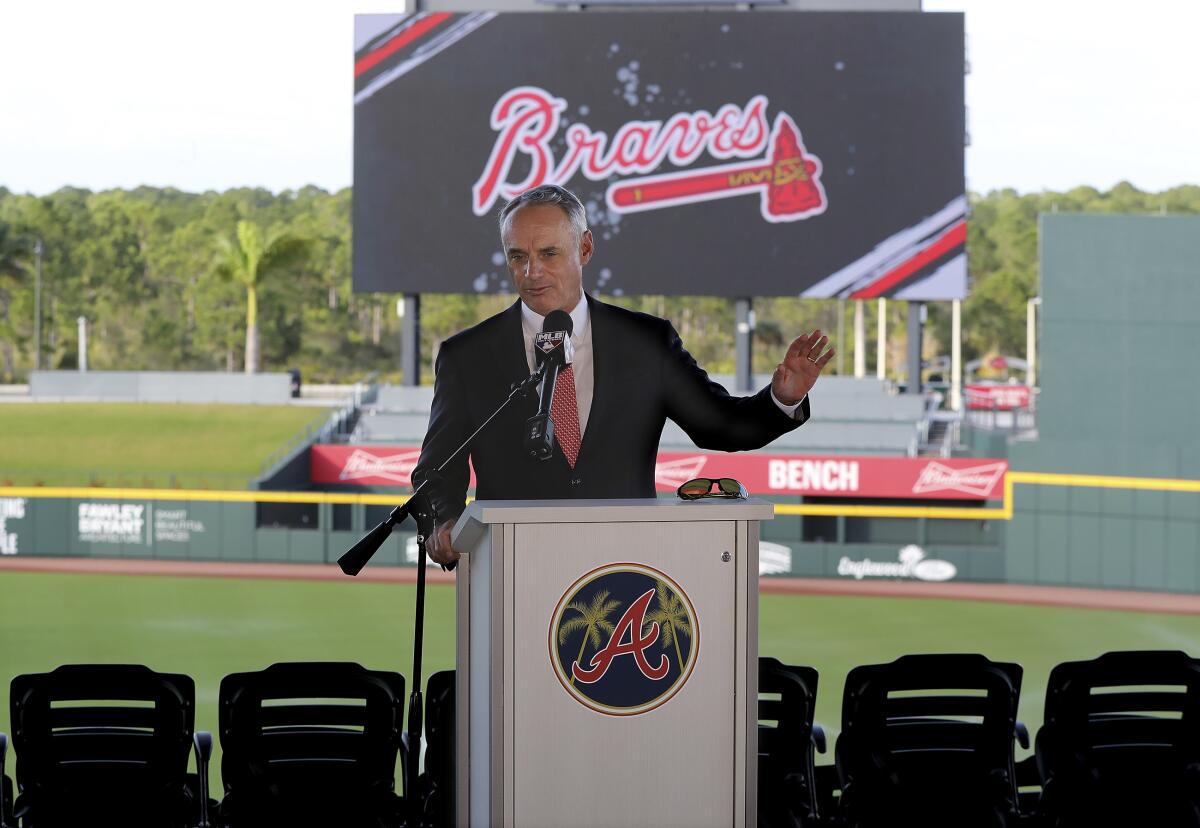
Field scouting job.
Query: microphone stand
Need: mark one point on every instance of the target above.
(539, 429)
(420, 507)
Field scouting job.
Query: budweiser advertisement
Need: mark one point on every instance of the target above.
(997, 397)
(765, 474)
(810, 154)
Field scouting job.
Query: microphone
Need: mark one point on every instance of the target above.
(552, 350)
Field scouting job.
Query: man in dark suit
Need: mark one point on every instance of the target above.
(630, 372)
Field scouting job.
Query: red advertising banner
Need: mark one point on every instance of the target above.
(971, 478)
(374, 465)
(997, 397)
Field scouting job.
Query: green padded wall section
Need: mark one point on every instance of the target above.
(1119, 343)
(1120, 340)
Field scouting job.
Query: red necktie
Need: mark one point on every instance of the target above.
(564, 413)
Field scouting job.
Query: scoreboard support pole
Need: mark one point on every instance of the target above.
(410, 339)
(916, 329)
(881, 341)
(860, 341)
(745, 345)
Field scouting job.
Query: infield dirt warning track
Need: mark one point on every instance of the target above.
(1078, 598)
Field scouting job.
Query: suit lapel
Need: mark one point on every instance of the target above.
(511, 365)
(510, 350)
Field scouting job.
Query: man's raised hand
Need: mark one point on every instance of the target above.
(801, 367)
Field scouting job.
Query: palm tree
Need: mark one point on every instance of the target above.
(671, 617)
(592, 619)
(253, 257)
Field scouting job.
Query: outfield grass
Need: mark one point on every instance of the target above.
(209, 627)
(835, 634)
(143, 444)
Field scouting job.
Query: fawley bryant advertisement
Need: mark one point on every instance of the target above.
(12, 517)
(764, 153)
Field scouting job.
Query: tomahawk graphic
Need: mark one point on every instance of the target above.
(788, 181)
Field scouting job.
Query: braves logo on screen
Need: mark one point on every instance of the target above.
(775, 164)
(624, 639)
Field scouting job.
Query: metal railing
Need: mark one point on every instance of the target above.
(995, 418)
(337, 427)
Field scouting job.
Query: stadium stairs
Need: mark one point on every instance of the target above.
(852, 416)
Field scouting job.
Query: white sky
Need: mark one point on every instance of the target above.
(221, 94)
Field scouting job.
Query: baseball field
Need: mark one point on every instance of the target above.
(207, 627)
(184, 620)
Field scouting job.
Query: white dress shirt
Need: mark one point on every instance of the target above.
(581, 361)
(581, 342)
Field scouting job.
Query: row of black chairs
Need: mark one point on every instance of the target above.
(925, 740)
(303, 744)
(929, 740)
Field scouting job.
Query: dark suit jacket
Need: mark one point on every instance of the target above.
(642, 376)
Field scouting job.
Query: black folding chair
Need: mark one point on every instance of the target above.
(6, 790)
(106, 745)
(437, 782)
(311, 744)
(787, 740)
(1121, 741)
(928, 740)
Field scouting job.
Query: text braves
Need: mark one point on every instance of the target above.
(527, 120)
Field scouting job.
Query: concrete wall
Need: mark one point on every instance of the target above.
(850, 416)
(162, 386)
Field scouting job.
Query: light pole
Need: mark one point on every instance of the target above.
(82, 362)
(1031, 341)
(956, 354)
(841, 349)
(38, 249)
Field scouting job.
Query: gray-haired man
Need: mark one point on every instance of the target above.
(630, 372)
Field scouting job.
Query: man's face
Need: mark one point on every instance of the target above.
(545, 257)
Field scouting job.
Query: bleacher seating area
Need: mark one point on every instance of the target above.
(857, 416)
(925, 740)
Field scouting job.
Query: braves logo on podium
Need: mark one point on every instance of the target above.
(624, 639)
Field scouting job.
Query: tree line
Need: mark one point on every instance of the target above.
(247, 279)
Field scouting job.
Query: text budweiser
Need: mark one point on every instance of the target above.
(977, 480)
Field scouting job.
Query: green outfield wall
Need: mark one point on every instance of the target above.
(152, 524)
(1119, 335)
(1119, 340)
(1133, 533)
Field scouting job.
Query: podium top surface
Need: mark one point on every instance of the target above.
(481, 513)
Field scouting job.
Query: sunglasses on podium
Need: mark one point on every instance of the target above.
(703, 487)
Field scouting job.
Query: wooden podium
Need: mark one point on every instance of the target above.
(608, 663)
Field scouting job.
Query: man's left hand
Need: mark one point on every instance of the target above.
(801, 366)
